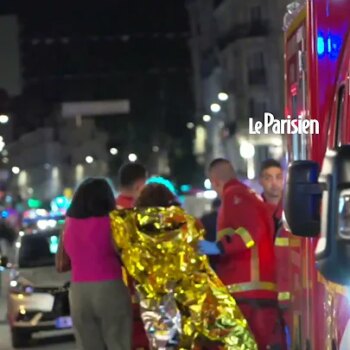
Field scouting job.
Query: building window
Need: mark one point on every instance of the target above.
(256, 69)
(256, 60)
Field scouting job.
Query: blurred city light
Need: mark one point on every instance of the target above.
(5, 214)
(215, 107)
(42, 224)
(4, 118)
(34, 203)
(89, 159)
(223, 96)
(132, 157)
(155, 149)
(60, 204)
(190, 125)
(206, 118)
(16, 170)
(185, 188)
(210, 194)
(247, 150)
(54, 241)
(113, 151)
(250, 168)
(207, 184)
(13, 283)
(5, 160)
(163, 181)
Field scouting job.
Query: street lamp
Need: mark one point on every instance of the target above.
(190, 125)
(89, 159)
(132, 157)
(113, 151)
(206, 118)
(16, 170)
(215, 108)
(4, 118)
(222, 96)
(155, 149)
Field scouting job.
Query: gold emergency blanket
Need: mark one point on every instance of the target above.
(158, 247)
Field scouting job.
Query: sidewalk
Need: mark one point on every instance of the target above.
(2, 309)
(3, 292)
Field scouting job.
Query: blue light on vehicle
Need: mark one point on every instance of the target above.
(320, 45)
(330, 45)
(334, 45)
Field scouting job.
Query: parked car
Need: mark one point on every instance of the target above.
(37, 294)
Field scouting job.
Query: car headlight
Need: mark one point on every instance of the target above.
(344, 215)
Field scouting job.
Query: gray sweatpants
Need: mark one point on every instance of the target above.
(102, 315)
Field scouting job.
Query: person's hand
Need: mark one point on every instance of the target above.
(208, 248)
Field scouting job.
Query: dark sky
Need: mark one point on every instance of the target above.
(135, 49)
(100, 17)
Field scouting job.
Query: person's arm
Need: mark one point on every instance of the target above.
(240, 224)
(62, 259)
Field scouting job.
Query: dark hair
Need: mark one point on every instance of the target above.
(94, 197)
(130, 173)
(216, 162)
(156, 195)
(269, 163)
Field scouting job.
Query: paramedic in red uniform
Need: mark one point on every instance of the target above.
(246, 262)
(271, 180)
(132, 178)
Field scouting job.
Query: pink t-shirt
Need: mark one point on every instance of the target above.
(88, 243)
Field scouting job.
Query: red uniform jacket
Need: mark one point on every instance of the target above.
(245, 236)
(284, 241)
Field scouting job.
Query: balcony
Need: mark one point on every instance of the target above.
(257, 77)
(246, 30)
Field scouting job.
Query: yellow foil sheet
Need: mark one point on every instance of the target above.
(158, 247)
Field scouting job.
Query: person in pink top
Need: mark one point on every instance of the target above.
(100, 302)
